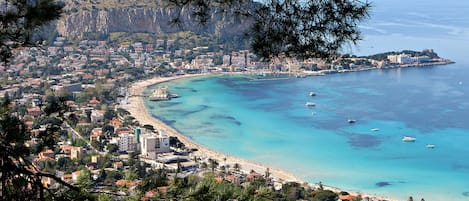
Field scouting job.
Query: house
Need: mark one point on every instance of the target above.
(234, 179)
(76, 152)
(116, 123)
(95, 158)
(66, 149)
(96, 134)
(94, 102)
(75, 175)
(97, 115)
(47, 182)
(346, 197)
(123, 130)
(91, 166)
(35, 111)
(67, 177)
(118, 165)
(46, 155)
(253, 176)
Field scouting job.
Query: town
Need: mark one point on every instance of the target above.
(102, 145)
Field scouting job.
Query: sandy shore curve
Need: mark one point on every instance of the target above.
(136, 106)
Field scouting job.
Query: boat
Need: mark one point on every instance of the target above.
(351, 121)
(312, 94)
(409, 139)
(310, 104)
(375, 129)
(430, 146)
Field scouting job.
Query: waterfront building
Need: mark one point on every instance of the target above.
(404, 59)
(154, 143)
(126, 142)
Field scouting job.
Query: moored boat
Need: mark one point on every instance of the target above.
(310, 104)
(409, 139)
(430, 146)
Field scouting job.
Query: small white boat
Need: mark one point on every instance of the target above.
(430, 146)
(312, 94)
(313, 113)
(375, 129)
(408, 139)
(310, 104)
(351, 121)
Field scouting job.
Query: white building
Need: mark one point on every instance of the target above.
(126, 142)
(154, 143)
(401, 59)
(404, 59)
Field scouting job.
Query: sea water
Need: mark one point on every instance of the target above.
(267, 120)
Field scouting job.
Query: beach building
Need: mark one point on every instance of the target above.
(126, 142)
(154, 143)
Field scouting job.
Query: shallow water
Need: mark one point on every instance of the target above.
(267, 121)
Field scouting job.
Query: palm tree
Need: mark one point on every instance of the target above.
(213, 164)
(203, 165)
(237, 166)
(267, 173)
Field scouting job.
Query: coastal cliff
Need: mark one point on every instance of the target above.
(80, 21)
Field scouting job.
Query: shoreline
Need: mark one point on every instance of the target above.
(136, 106)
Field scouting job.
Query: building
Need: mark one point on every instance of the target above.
(76, 152)
(97, 115)
(35, 111)
(126, 142)
(96, 134)
(400, 59)
(153, 144)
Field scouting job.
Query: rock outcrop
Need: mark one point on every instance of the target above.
(143, 20)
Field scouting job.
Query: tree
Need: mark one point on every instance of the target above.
(213, 164)
(317, 28)
(109, 114)
(20, 20)
(84, 180)
(237, 166)
(324, 195)
(20, 179)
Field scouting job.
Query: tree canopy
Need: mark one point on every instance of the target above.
(19, 21)
(298, 28)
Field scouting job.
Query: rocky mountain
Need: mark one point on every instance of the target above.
(78, 21)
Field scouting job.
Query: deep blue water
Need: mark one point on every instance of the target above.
(267, 121)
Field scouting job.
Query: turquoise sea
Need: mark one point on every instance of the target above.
(267, 121)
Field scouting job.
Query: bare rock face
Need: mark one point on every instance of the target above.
(143, 20)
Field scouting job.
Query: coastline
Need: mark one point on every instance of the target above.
(137, 109)
(136, 106)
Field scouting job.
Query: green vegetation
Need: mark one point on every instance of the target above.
(384, 56)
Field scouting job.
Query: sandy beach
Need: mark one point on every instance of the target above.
(135, 105)
(137, 109)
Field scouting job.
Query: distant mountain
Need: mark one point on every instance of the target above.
(102, 17)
